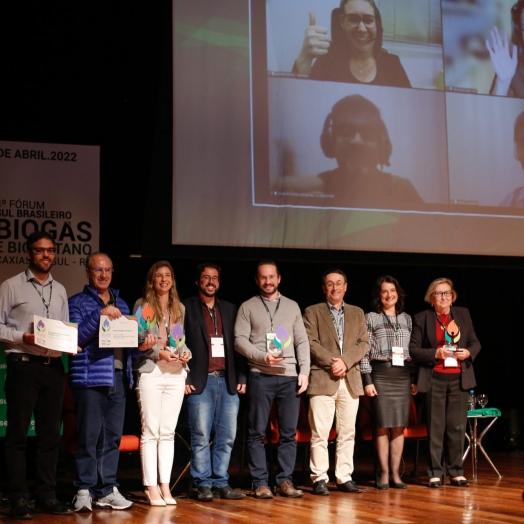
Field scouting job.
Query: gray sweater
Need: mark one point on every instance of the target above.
(253, 323)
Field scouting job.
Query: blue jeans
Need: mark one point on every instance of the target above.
(212, 415)
(263, 389)
(99, 424)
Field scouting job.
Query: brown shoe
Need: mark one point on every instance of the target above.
(286, 489)
(263, 492)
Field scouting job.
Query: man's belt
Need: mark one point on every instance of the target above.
(218, 373)
(26, 357)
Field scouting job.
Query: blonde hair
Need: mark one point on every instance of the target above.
(437, 282)
(174, 307)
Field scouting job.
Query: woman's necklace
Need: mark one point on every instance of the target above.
(444, 324)
(360, 71)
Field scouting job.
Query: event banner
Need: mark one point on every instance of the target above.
(51, 187)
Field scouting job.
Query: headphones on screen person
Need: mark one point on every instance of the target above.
(353, 104)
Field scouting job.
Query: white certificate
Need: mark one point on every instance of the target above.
(119, 333)
(56, 334)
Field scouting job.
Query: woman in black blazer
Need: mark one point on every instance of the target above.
(445, 381)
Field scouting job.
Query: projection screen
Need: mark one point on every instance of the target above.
(405, 151)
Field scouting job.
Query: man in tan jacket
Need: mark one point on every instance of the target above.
(338, 339)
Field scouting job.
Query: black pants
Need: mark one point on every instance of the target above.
(263, 390)
(39, 388)
(447, 409)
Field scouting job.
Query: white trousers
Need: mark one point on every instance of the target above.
(160, 396)
(322, 409)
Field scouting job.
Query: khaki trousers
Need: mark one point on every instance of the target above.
(322, 409)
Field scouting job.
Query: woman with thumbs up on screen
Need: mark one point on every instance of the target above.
(354, 54)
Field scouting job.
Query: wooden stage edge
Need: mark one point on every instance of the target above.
(488, 500)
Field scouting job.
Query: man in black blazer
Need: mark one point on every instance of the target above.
(217, 375)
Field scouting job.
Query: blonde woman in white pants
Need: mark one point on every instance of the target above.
(161, 381)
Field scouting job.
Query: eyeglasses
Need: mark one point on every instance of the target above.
(207, 278)
(440, 294)
(335, 285)
(354, 20)
(100, 270)
(40, 250)
(347, 132)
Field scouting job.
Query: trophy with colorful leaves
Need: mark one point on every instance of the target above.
(176, 339)
(452, 336)
(146, 318)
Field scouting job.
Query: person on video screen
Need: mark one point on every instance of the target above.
(355, 53)
(508, 59)
(516, 197)
(356, 136)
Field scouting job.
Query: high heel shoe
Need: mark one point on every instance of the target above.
(155, 502)
(381, 486)
(170, 501)
(460, 482)
(435, 482)
(397, 485)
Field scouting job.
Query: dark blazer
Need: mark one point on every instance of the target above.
(423, 345)
(197, 341)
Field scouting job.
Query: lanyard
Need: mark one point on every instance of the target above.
(339, 326)
(395, 328)
(48, 303)
(169, 340)
(267, 309)
(442, 325)
(167, 324)
(213, 315)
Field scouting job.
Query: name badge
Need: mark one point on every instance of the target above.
(217, 346)
(397, 356)
(450, 362)
(271, 347)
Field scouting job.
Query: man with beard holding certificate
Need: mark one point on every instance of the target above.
(34, 379)
(270, 333)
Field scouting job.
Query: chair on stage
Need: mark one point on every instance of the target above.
(415, 432)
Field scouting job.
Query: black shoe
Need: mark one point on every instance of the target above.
(435, 483)
(227, 492)
(320, 488)
(459, 483)
(398, 485)
(204, 494)
(20, 510)
(349, 487)
(381, 486)
(53, 507)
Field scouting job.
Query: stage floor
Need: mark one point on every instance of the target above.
(489, 500)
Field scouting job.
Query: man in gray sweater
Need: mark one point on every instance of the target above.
(270, 333)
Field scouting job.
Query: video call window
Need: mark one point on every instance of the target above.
(322, 65)
(394, 43)
(483, 46)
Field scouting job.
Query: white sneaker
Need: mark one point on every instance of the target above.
(114, 500)
(82, 501)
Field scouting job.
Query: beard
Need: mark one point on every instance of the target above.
(208, 292)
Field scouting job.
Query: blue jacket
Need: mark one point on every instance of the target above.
(94, 366)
